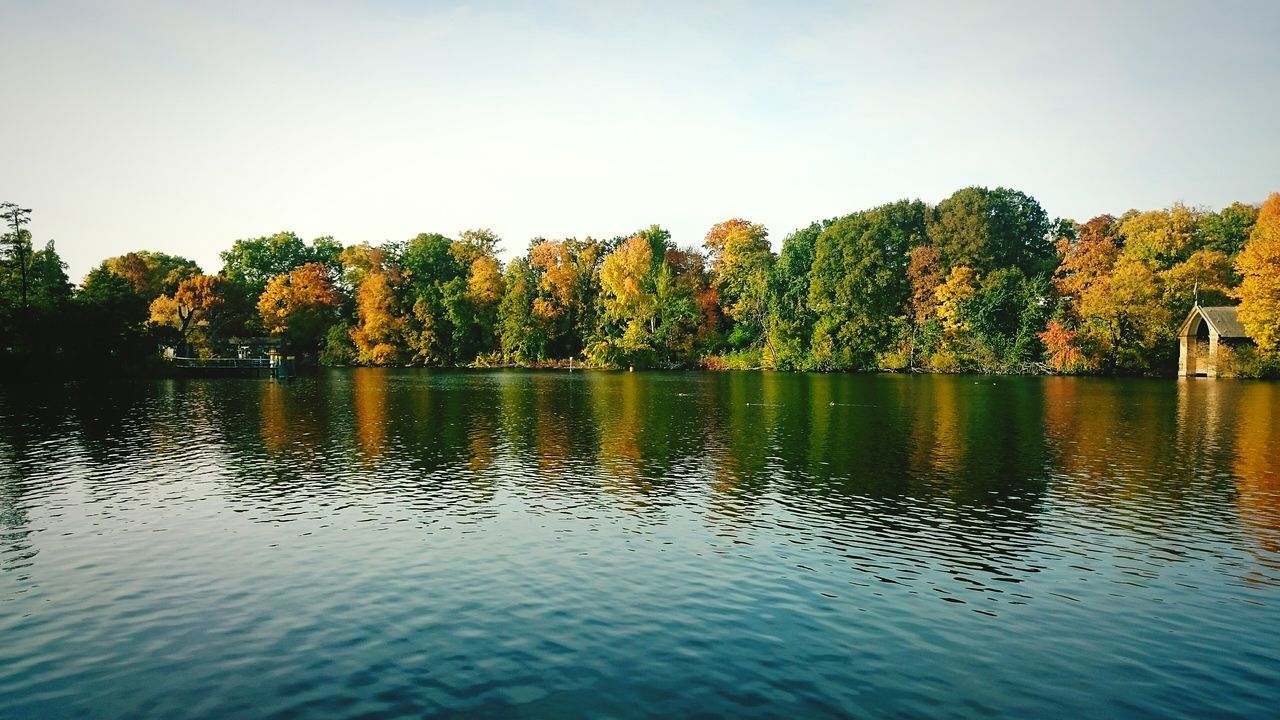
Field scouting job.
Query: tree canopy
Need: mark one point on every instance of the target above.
(984, 281)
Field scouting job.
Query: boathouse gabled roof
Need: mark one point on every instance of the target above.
(1222, 321)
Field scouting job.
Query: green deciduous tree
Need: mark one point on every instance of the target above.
(992, 229)
(1228, 229)
(251, 262)
(859, 283)
(521, 332)
(789, 327)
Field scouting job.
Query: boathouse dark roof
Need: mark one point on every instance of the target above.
(1222, 320)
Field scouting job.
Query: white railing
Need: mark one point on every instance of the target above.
(228, 363)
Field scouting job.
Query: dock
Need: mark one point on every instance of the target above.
(279, 367)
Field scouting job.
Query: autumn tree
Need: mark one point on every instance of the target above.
(741, 263)
(953, 296)
(567, 284)
(151, 274)
(1259, 266)
(1122, 318)
(653, 303)
(1160, 238)
(1062, 351)
(300, 305)
(378, 331)
(1204, 277)
(1088, 256)
(191, 311)
(924, 275)
(627, 293)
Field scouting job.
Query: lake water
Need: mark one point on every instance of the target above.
(387, 543)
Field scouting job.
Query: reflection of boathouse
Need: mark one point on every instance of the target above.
(1203, 335)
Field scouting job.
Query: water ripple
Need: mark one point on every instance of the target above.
(409, 543)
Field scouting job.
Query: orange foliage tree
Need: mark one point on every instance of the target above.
(1061, 352)
(1259, 291)
(378, 331)
(300, 305)
(190, 310)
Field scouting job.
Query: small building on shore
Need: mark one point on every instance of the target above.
(1205, 338)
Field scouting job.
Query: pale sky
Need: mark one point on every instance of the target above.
(182, 126)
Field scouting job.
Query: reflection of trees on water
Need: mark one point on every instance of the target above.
(897, 475)
(552, 433)
(1118, 441)
(1158, 461)
(370, 402)
(748, 411)
(370, 438)
(15, 550)
(926, 473)
(1256, 465)
(31, 417)
(1149, 451)
(548, 432)
(949, 467)
(623, 410)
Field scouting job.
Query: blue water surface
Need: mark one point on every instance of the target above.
(399, 543)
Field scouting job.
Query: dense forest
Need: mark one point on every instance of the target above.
(984, 281)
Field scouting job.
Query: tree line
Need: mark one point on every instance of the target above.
(984, 281)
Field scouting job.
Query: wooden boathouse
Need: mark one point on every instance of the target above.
(1202, 337)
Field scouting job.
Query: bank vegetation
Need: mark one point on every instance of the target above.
(984, 281)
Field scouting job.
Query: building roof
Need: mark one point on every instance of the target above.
(1222, 320)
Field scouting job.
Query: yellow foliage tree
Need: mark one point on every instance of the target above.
(1205, 276)
(1160, 238)
(565, 267)
(627, 297)
(1122, 317)
(623, 276)
(1259, 292)
(960, 287)
(299, 304)
(379, 329)
(189, 309)
(484, 282)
